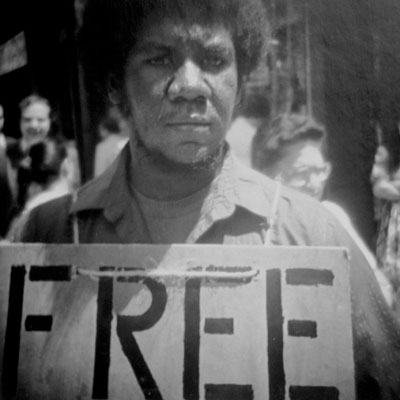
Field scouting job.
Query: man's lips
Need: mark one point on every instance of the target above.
(188, 123)
(189, 127)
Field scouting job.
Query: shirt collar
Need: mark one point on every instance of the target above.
(236, 186)
(109, 192)
(246, 187)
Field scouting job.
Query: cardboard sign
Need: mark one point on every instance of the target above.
(175, 322)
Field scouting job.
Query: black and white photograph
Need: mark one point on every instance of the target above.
(199, 200)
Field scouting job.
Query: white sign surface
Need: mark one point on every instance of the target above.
(175, 322)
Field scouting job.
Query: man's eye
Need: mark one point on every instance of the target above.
(214, 62)
(159, 60)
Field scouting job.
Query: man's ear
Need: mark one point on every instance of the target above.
(113, 90)
(238, 101)
(240, 92)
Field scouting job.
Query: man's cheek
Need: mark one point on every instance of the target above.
(224, 108)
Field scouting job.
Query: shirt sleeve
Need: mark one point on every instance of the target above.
(49, 223)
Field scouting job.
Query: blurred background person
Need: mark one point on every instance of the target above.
(113, 135)
(46, 178)
(7, 202)
(38, 122)
(386, 188)
(295, 153)
(34, 124)
(249, 115)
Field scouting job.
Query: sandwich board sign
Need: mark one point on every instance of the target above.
(196, 322)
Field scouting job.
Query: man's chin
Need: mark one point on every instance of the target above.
(199, 162)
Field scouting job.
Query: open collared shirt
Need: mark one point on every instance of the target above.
(234, 194)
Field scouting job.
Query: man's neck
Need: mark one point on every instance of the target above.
(160, 183)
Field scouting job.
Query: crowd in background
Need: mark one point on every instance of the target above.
(42, 164)
(37, 166)
(385, 180)
(113, 135)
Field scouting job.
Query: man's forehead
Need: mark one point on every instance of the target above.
(170, 31)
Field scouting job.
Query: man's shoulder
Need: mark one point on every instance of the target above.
(249, 176)
(94, 193)
(54, 206)
(300, 218)
(307, 222)
(291, 199)
(49, 222)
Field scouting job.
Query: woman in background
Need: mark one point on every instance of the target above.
(386, 188)
(295, 154)
(46, 178)
(113, 137)
(38, 122)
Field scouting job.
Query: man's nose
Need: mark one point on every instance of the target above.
(189, 83)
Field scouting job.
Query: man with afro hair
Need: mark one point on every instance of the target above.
(174, 68)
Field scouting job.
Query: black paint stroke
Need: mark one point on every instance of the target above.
(128, 324)
(228, 391)
(13, 331)
(276, 370)
(50, 273)
(302, 328)
(218, 326)
(103, 339)
(191, 358)
(309, 277)
(313, 393)
(38, 323)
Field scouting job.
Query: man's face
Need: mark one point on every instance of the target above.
(304, 168)
(35, 122)
(180, 88)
